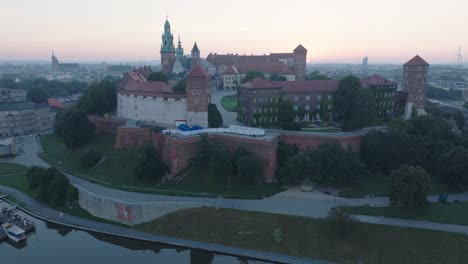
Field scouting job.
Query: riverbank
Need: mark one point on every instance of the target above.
(38, 210)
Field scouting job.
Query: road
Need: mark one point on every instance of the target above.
(229, 118)
(46, 213)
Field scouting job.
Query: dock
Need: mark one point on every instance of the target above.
(9, 215)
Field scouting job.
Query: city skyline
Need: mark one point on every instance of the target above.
(381, 30)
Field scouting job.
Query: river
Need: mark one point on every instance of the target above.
(58, 244)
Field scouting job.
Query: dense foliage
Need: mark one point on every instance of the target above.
(52, 186)
(50, 88)
(328, 164)
(316, 75)
(74, 127)
(90, 158)
(409, 187)
(252, 75)
(215, 119)
(100, 98)
(276, 77)
(180, 87)
(442, 94)
(287, 115)
(150, 167)
(354, 106)
(238, 167)
(37, 95)
(418, 142)
(453, 168)
(158, 77)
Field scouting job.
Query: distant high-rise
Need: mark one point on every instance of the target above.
(55, 62)
(414, 83)
(365, 67)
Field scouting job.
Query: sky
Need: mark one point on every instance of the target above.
(333, 31)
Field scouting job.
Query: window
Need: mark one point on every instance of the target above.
(329, 107)
(198, 91)
(330, 97)
(307, 107)
(295, 108)
(296, 98)
(307, 98)
(193, 91)
(319, 97)
(317, 107)
(196, 100)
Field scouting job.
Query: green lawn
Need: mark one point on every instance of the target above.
(312, 238)
(450, 213)
(117, 171)
(11, 168)
(378, 186)
(229, 103)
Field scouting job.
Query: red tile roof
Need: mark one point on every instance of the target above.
(376, 80)
(300, 48)
(147, 87)
(277, 56)
(416, 61)
(259, 83)
(265, 67)
(197, 72)
(311, 86)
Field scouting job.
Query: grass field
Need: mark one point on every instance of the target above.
(229, 103)
(11, 168)
(117, 171)
(450, 213)
(378, 186)
(312, 238)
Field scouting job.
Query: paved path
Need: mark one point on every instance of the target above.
(229, 118)
(46, 213)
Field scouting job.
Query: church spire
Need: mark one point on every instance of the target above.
(179, 50)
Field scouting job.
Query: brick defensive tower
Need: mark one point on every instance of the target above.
(198, 97)
(300, 61)
(414, 84)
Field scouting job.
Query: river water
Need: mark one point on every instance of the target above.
(58, 244)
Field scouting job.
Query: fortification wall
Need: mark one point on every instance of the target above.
(132, 137)
(105, 125)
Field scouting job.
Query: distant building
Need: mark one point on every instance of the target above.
(64, 101)
(24, 118)
(12, 95)
(384, 92)
(365, 67)
(295, 62)
(259, 99)
(414, 83)
(57, 66)
(118, 69)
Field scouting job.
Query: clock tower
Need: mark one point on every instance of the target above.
(167, 49)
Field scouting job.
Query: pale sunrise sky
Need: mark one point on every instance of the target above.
(388, 31)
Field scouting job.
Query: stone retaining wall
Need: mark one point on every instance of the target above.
(128, 213)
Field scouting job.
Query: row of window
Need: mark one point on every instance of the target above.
(385, 95)
(318, 97)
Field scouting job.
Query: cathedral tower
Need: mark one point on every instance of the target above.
(167, 49)
(179, 50)
(195, 57)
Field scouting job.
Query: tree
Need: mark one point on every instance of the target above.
(74, 127)
(248, 169)
(37, 95)
(453, 168)
(286, 115)
(180, 86)
(100, 98)
(465, 105)
(158, 77)
(252, 75)
(459, 119)
(214, 116)
(294, 170)
(276, 77)
(90, 158)
(150, 167)
(409, 187)
(331, 165)
(33, 176)
(316, 75)
(354, 106)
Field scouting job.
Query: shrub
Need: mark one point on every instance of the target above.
(90, 158)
